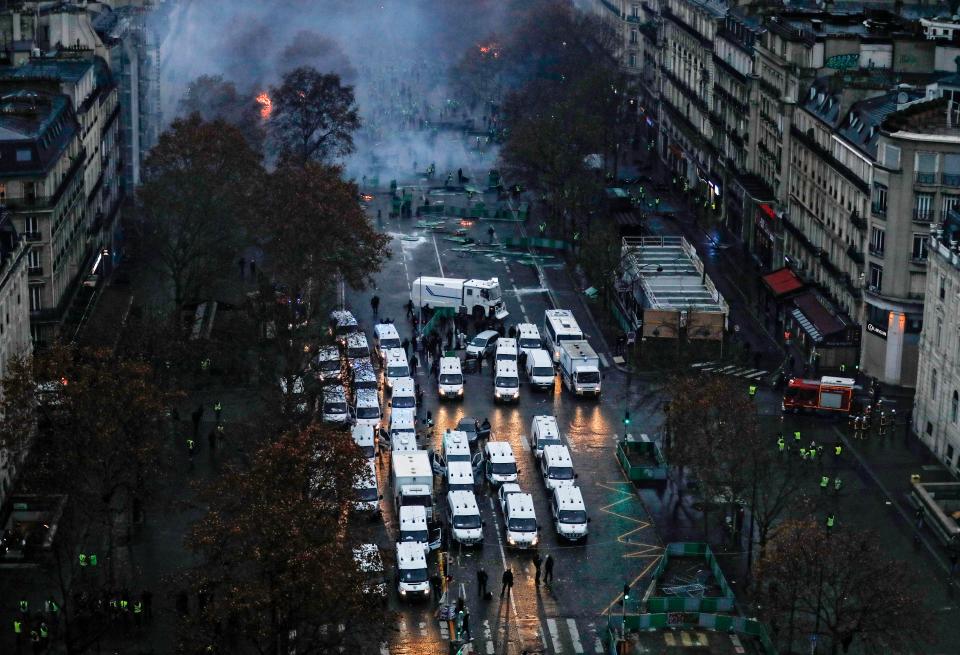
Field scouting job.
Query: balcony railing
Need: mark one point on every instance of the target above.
(926, 178)
(855, 254)
(876, 252)
(923, 215)
(878, 210)
(950, 179)
(35, 270)
(858, 221)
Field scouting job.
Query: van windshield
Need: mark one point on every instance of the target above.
(419, 536)
(503, 468)
(522, 525)
(561, 472)
(368, 451)
(467, 522)
(479, 342)
(570, 337)
(413, 576)
(451, 378)
(364, 383)
(530, 343)
(367, 495)
(507, 382)
(591, 377)
(572, 516)
(356, 352)
(401, 402)
(398, 371)
(368, 412)
(390, 342)
(506, 356)
(335, 408)
(458, 458)
(328, 365)
(543, 371)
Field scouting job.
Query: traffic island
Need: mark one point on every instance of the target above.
(688, 579)
(641, 459)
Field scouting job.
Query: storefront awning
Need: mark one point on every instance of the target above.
(782, 281)
(815, 319)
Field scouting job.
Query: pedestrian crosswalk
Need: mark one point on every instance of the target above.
(731, 369)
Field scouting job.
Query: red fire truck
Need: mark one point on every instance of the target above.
(828, 394)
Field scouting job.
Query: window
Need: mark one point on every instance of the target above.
(36, 298)
(919, 251)
(880, 199)
(24, 155)
(633, 36)
(633, 60)
(933, 384)
(943, 287)
(926, 163)
(923, 207)
(877, 240)
(635, 11)
(891, 156)
(954, 406)
(951, 170)
(33, 258)
(950, 202)
(876, 277)
(939, 335)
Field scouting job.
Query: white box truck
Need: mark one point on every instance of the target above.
(478, 298)
(580, 368)
(411, 479)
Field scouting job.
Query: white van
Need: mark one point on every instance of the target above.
(569, 513)
(540, 373)
(413, 579)
(367, 497)
(506, 351)
(366, 408)
(326, 364)
(342, 323)
(357, 346)
(362, 375)
(404, 394)
(519, 518)
(334, 405)
(414, 528)
(528, 337)
(366, 439)
(500, 465)
(506, 382)
(450, 378)
(544, 431)
(463, 517)
(385, 337)
(460, 476)
(560, 325)
(483, 343)
(395, 366)
(403, 430)
(556, 467)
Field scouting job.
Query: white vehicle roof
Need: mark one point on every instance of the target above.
(386, 331)
(520, 506)
(569, 498)
(368, 478)
(395, 357)
(453, 281)
(508, 488)
(357, 339)
(838, 382)
(562, 321)
(527, 330)
(450, 365)
(362, 366)
(403, 418)
(539, 357)
(500, 451)
(343, 318)
(368, 558)
(506, 368)
(410, 555)
(459, 473)
(404, 387)
(362, 434)
(579, 349)
(556, 455)
(327, 353)
(486, 335)
(545, 425)
(367, 398)
(411, 464)
(297, 384)
(404, 443)
(334, 394)
(462, 502)
(456, 442)
(507, 344)
(413, 517)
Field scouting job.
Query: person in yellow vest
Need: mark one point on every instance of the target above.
(824, 482)
(831, 521)
(781, 444)
(753, 391)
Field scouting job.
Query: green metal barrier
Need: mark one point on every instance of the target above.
(690, 620)
(722, 603)
(434, 321)
(535, 242)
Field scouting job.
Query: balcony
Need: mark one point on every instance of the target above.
(32, 236)
(879, 210)
(923, 216)
(926, 178)
(35, 270)
(854, 254)
(858, 221)
(950, 179)
(876, 252)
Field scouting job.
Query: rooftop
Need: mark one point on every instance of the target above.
(670, 274)
(939, 116)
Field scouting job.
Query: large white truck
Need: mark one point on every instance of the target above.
(580, 368)
(411, 478)
(478, 298)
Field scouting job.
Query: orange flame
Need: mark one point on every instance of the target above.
(490, 49)
(266, 105)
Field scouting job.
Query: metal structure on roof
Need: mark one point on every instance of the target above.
(670, 275)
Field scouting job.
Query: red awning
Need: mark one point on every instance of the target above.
(822, 319)
(677, 152)
(782, 282)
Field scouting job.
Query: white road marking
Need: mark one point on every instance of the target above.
(503, 559)
(423, 629)
(437, 250)
(597, 645)
(575, 636)
(554, 636)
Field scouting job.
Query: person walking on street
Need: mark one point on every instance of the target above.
(375, 305)
(217, 411)
(537, 561)
(465, 632)
(507, 582)
(435, 367)
(482, 582)
(548, 569)
(409, 307)
(243, 268)
(413, 365)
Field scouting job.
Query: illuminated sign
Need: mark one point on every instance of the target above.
(873, 329)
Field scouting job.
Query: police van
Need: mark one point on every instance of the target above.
(385, 337)
(528, 337)
(506, 382)
(450, 378)
(540, 373)
(366, 408)
(519, 517)
(326, 364)
(460, 476)
(403, 430)
(499, 463)
(569, 513)
(506, 351)
(556, 467)
(415, 529)
(333, 405)
(357, 346)
(365, 437)
(362, 375)
(560, 325)
(544, 432)
(342, 324)
(413, 579)
(463, 518)
(395, 366)
(404, 394)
